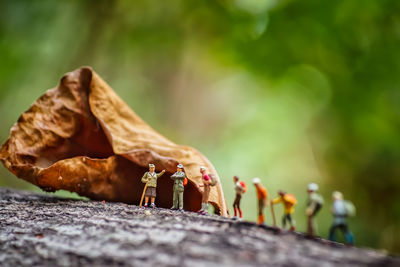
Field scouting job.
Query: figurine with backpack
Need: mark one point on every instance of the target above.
(262, 196)
(341, 210)
(240, 188)
(288, 201)
(314, 204)
(179, 178)
(209, 180)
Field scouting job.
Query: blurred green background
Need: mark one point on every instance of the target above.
(291, 91)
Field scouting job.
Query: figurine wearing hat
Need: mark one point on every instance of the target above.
(262, 196)
(178, 178)
(288, 201)
(240, 188)
(150, 178)
(314, 204)
(341, 209)
(207, 183)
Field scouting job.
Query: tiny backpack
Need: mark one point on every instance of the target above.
(243, 184)
(213, 179)
(350, 208)
(290, 198)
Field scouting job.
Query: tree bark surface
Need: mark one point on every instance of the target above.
(43, 230)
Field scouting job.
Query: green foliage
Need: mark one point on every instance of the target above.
(291, 91)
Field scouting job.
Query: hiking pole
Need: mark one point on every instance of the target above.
(144, 191)
(273, 213)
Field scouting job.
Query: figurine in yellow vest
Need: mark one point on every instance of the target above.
(288, 201)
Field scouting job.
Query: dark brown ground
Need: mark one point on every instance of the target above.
(41, 230)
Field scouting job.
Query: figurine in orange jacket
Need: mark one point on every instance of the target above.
(262, 196)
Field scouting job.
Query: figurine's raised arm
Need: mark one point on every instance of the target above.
(150, 178)
(160, 173)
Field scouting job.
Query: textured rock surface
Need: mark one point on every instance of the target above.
(49, 231)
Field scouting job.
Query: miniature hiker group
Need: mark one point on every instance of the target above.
(341, 209)
(179, 182)
(288, 201)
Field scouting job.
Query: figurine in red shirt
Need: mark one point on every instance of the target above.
(240, 188)
(207, 183)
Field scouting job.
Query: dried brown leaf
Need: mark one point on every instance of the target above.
(81, 137)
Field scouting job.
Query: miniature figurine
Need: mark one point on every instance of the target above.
(178, 178)
(288, 201)
(341, 209)
(314, 204)
(206, 193)
(262, 196)
(150, 179)
(208, 181)
(240, 188)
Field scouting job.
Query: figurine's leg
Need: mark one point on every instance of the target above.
(205, 208)
(153, 194)
(310, 226)
(314, 226)
(292, 222)
(260, 211)
(202, 203)
(204, 199)
(238, 206)
(235, 207)
(332, 230)
(284, 221)
(146, 199)
(348, 234)
(180, 200)
(206, 195)
(349, 237)
(261, 219)
(175, 199)
(202, 207)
